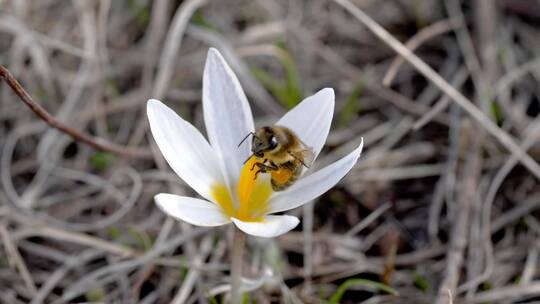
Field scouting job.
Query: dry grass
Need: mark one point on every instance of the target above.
(443, 206)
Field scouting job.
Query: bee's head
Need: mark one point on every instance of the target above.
(264, 140)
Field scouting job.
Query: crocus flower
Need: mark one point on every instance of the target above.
(215, 169)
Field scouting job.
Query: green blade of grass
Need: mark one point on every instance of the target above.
(352, 106)
(288, 91)
(496, 113)
(421, 283)
(336, 297)
(199, 19)
(100, 161)
(292, 80)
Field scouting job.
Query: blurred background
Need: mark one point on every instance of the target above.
(436, 211)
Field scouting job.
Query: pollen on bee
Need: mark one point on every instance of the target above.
(282, 175)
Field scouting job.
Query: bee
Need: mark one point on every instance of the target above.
(281, 153)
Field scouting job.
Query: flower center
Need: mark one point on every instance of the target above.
(252, 191)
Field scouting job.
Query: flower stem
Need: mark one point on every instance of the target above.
(239, 241)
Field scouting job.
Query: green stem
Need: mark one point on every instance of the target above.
(239, 241)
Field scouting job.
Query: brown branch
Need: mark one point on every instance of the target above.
(94, 142)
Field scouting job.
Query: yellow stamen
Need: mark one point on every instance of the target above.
(253, 191)
(221, 195)
(246, 185)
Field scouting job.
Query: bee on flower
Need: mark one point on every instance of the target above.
(245, 184)
(280, 152)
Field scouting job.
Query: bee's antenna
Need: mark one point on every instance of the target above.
(250, 133)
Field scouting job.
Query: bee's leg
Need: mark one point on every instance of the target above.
(263, 168)
(272, 166)
(259, 164)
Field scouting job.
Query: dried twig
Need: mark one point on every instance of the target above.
(508, 293)
(504, 138)
(96, 143)
(15, 257)
(470, 172)
(425, 34)
(442, 103)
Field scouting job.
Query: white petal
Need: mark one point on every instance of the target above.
(185, 149)
(227, 114)
(311, 119)
(314, 185)
(271, 226)
(191, 210)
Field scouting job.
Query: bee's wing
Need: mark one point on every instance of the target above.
(306, 155)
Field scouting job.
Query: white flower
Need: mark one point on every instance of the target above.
(216, 170)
